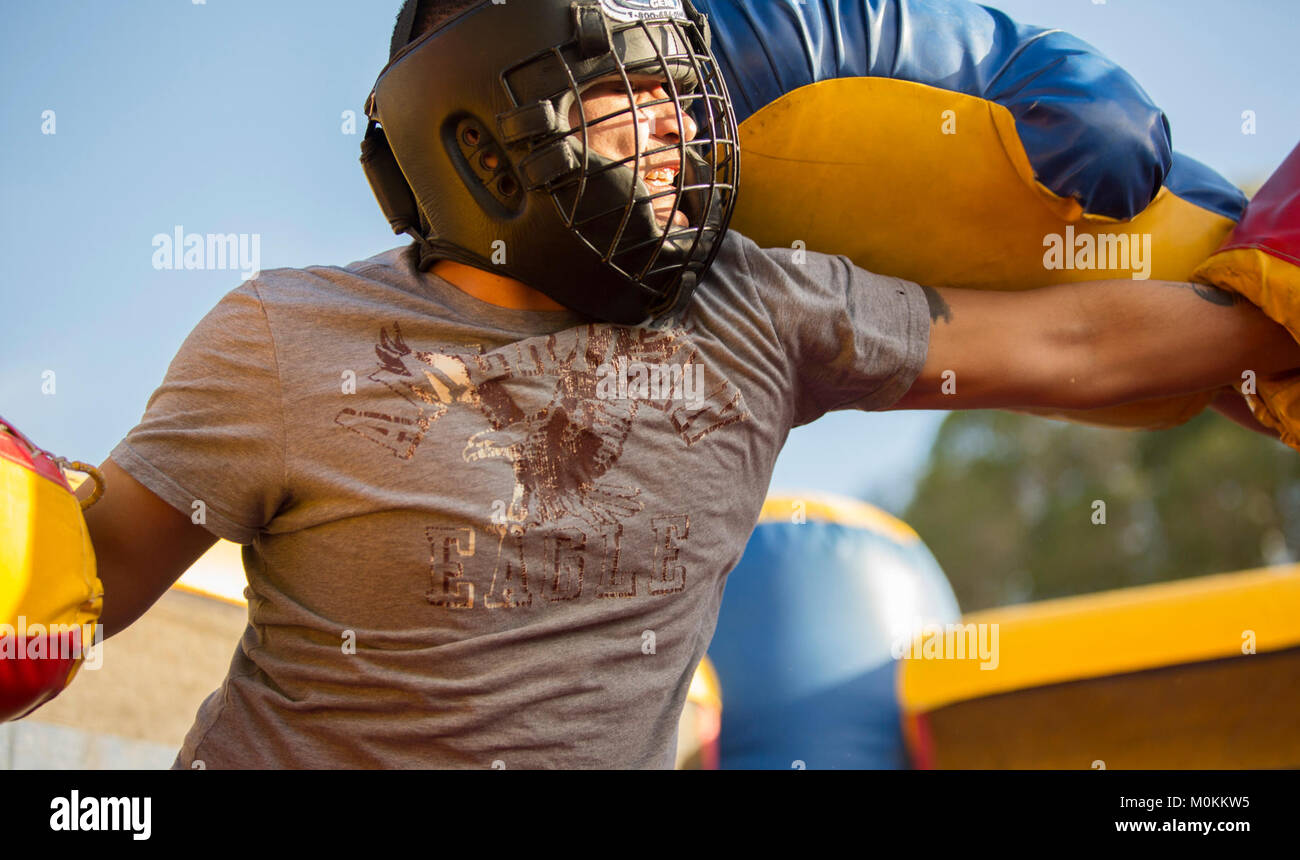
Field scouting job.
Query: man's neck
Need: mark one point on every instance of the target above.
(494, 289)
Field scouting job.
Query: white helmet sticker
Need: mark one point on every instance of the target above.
(637, 10)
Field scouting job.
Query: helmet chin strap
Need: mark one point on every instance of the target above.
(428, 256)
(431, 250)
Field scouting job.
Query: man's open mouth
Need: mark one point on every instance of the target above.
(661, 179)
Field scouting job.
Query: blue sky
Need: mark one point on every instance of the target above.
(225, 117)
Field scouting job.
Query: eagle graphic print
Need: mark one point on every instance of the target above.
(558, 410)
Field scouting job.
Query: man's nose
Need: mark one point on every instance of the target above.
(663, 117)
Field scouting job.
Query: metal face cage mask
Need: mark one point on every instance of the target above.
(471, 149)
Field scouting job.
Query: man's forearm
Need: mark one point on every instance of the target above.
(1091, 345)
(1160, 338)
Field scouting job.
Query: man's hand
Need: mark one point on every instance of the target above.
(1232, 406)
(1091, 345)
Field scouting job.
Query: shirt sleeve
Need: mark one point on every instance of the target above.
(213, 431)
(853, 339)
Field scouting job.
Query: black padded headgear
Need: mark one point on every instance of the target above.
(498, 79)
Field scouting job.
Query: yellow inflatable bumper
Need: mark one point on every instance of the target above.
(1198, 673)
(50, 594)
(1261, 261)
(935, 186)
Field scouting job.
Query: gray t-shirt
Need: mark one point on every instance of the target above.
(477, 535)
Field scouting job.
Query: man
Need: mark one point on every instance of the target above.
(490, 485)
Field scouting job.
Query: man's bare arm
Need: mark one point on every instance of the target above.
(142, 545)
(1090, 345)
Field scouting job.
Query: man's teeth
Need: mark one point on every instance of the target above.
(661, 175)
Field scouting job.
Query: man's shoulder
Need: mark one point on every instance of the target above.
(315, 292)
(730, 264)
(400, 262)
(393, 266)
(735, 245)
(739, 255)
(744, 265)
